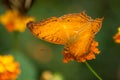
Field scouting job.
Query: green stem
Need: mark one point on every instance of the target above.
(90, 68)
(15, 41)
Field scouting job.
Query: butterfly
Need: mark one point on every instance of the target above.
(75, 31)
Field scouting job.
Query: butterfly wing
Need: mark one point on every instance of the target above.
(49, 30)
(74, 22)
(59, 30)
(79, 45)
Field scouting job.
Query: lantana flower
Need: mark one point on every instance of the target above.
(89, 56)
(14, 21)
(117, 36)
(9, 69)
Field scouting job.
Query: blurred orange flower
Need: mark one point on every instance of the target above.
(117, 36)
(48, 75)
(9, 69)
(14, 21)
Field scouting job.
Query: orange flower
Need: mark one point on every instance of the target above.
(9, 70)
(117, 36)
(14, 21)
(87, 56)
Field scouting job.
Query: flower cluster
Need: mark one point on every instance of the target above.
(9, 69)
(88, 56)
(117, 36)
(14, 21)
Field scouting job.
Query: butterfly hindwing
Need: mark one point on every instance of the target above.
(79, 44)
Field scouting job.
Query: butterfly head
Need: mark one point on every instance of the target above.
(30, 25)
(34, 28)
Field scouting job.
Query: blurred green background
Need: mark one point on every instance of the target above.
(36, 56)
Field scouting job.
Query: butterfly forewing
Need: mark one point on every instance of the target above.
(60, 30)
(50, 30)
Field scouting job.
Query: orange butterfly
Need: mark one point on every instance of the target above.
(75, 31)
